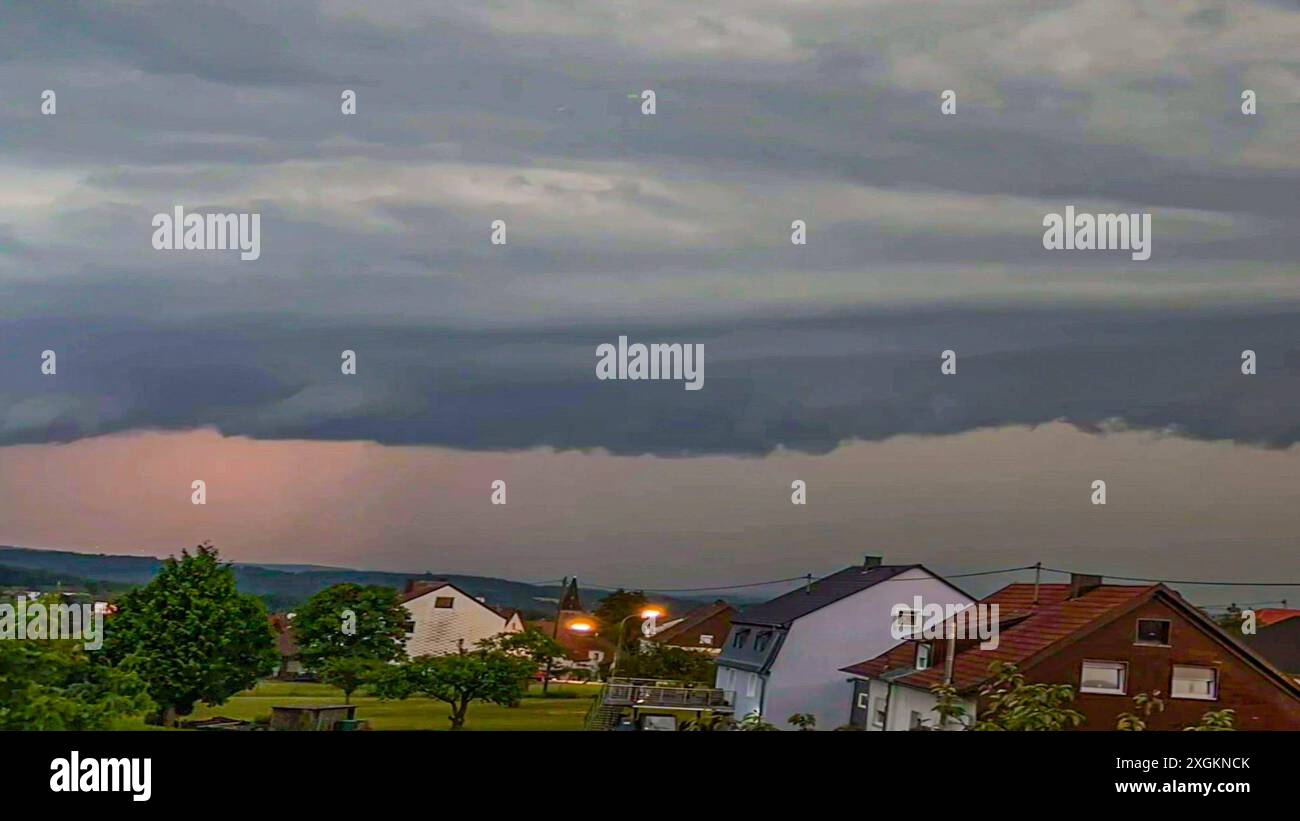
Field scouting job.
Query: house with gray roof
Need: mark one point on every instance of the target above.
(786, 656)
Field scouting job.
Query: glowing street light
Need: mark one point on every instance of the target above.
(649, 614)
(579, 626)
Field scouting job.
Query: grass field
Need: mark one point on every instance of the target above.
(533, 713)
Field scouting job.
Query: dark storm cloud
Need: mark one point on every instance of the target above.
(375, 226)
(805, 385)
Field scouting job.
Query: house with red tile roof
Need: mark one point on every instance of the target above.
(702, 629)
(1108, 642)
(1268, 616)
(584, 652)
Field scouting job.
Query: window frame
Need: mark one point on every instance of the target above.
(1173, 672)
(879, 712)
(1169, 634)
(438, 602)
(928, 647)
(1123, 667)
(741, 638)
(912, 619)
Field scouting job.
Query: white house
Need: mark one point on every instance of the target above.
(446, 619)
(787, 655)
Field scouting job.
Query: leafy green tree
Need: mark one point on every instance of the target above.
(1012, 704)
(611, 612)
(531, 643)
(351, 621)
(57, 685)
(1216, 720)
(754, 723)
(660, 661)
(1145, 705)
(348, 673)
(459, 679)
(194, 636)
(949, 707)
(803, 721)
(618, 605)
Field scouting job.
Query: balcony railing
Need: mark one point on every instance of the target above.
(633, 692)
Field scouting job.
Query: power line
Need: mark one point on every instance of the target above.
(700, 589)
(1181, 581)
(808, 578)
(804, 578)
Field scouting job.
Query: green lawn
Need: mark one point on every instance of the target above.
(533, 713)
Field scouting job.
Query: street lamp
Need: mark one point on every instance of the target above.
(648, 613)
(580, 626)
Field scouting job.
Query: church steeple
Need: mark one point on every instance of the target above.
(570, 602)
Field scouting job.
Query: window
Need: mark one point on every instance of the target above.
(907, 622)
(596, 655)
(658, 722)
(923, 652)
(751, 686)
(742, 636)
(444, 602)
(762, 640)
(1104, 677)
(705, 638)
(1195, 682)
(1153, 631)
(878, 718)
(862, 701)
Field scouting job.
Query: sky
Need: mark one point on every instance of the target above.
(477, 362)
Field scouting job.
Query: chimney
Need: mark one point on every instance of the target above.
(1081, 583)
(869, 562)
(416, 585)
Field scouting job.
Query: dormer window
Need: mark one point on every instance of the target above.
(924, 652)
(742, 636)
(762, 640)
(1153, 632)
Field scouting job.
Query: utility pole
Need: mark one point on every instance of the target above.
(555, 632)
(951, 654)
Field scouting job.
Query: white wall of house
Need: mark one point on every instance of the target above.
(807, 676)
(902, 705)
(746, 687)
(441, 630)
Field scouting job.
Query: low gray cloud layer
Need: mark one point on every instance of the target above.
(806, 384)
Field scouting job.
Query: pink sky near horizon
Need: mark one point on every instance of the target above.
(984, 499)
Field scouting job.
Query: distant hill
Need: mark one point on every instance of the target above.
(286, 586)
(48, 580)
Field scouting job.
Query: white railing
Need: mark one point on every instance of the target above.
(634, 692)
